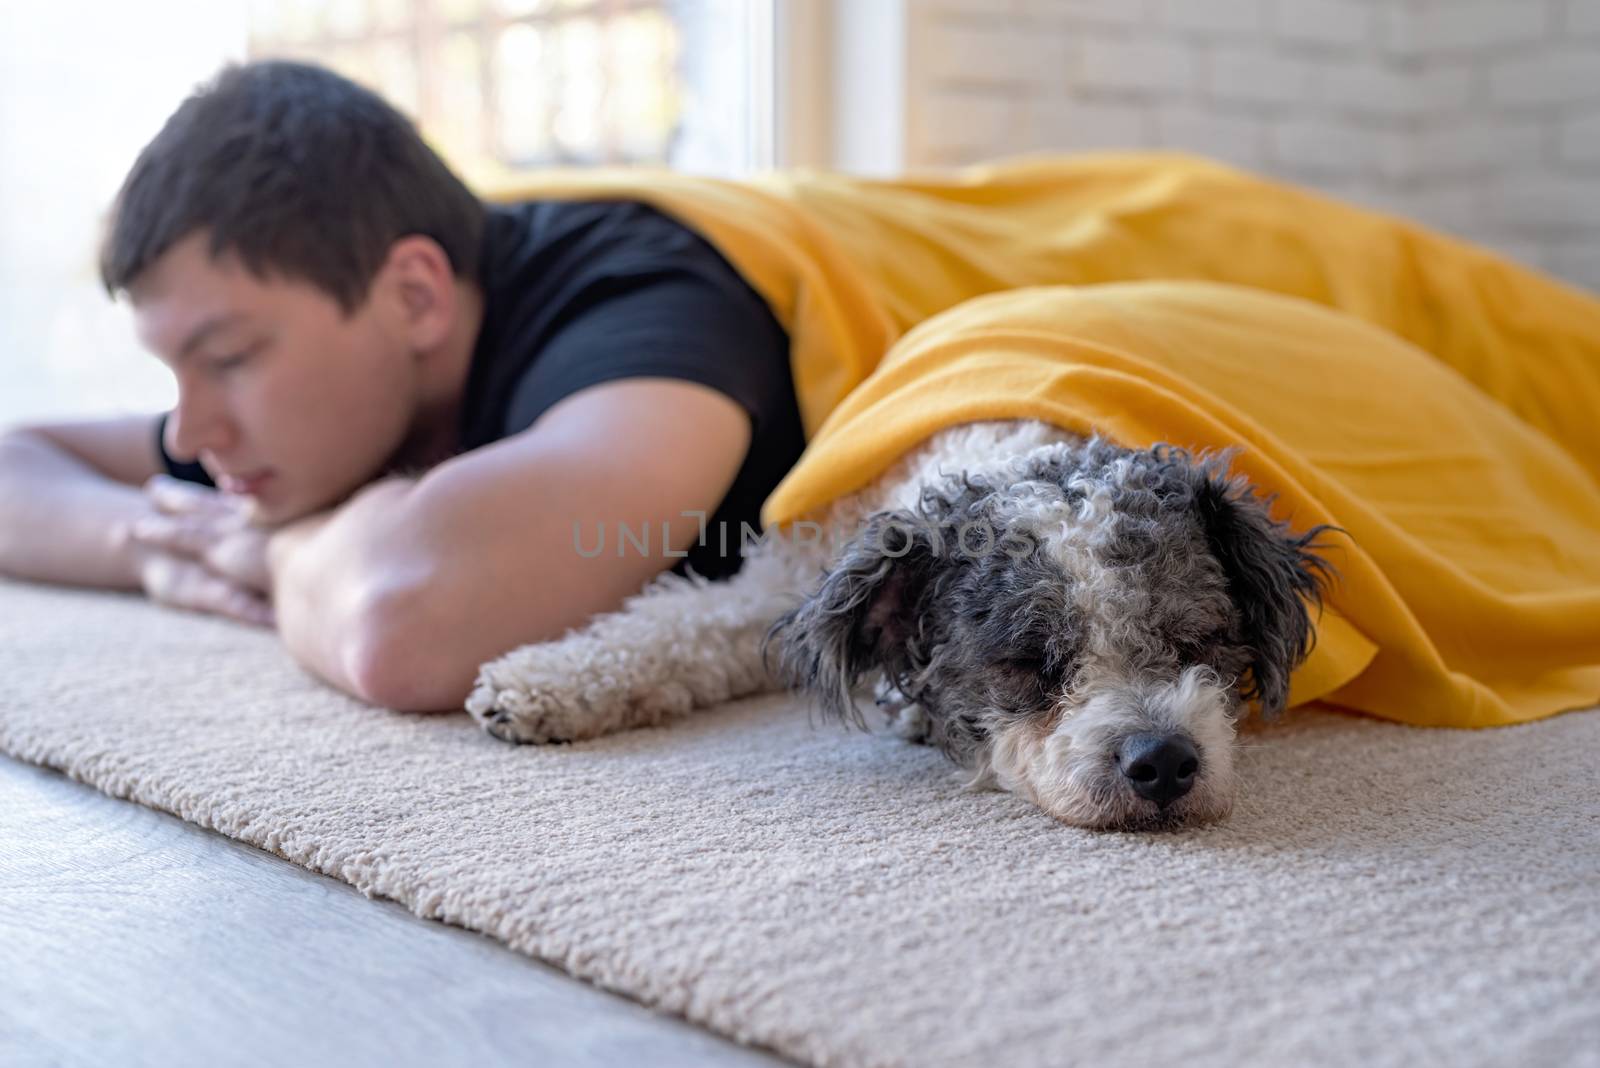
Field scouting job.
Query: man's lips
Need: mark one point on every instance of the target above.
(246, 484)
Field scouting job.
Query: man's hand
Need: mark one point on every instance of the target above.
(201, 552)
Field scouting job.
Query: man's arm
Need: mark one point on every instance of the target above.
(328, 576)
(401, 594)
(64, 491)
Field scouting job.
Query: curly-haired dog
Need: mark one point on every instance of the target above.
(1070, 620)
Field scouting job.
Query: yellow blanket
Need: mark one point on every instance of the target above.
(1434, 400)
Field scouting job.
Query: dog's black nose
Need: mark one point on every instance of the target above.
(1159, 767)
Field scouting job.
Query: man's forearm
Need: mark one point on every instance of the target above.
(332, 573)
(59, 518)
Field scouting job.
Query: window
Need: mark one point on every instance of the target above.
(499, 86)
(502, 85)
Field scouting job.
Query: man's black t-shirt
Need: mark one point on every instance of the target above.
(583, 292)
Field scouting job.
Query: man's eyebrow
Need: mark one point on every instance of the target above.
(204, 330)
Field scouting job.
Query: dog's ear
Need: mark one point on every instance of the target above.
(867, 613)
(1272, 575)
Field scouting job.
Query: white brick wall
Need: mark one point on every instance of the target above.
(1479, 117)
(1580, 139)
(1219, 18)
(1252, 74)
(1467, 26)
(1157, 67)
(1583, 17)
(1326, 23)
(1556, 75)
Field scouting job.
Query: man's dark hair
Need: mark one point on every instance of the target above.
(299, 172)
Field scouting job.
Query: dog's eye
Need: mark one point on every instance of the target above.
(1024, 680)
(1028, 675)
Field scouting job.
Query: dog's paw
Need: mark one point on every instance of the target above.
(907, 719)
(910, 722)
(522, 717)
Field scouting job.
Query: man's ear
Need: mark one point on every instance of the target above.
(867, 613)
(1272, 575)
(421, 285)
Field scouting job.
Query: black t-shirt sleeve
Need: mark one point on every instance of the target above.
(188, 472)
(666, 324)
(693, 325)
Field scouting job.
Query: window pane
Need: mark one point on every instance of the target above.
(577, 125)
(715, 130)
(355, 62)
(516, 8)
(461, 98)
(346, 18)
(644, 98)
(458, 11)
(525, 101)
(268, 19)
(301, 19)
(392, 14)
(395, 66)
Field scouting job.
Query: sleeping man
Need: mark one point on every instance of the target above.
(404, 397)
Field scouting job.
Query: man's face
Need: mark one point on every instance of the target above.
(281, 382)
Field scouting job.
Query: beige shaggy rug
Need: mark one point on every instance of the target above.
(1383, 895)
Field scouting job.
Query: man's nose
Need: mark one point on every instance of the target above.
(193, 427)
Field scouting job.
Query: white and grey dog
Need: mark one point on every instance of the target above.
(1075, 622)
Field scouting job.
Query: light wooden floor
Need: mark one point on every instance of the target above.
(129, 937)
